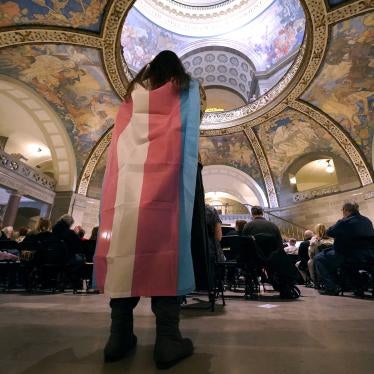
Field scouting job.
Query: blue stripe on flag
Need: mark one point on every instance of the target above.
(190, 116)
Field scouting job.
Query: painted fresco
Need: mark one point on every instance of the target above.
(290, 136)
(231, 150)
(79, 14)
(142, 40)
(344, 88)
(71, 79)
(94, 188)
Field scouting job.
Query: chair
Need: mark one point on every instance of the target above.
(243, 260)
(53, 260)
(88, 251)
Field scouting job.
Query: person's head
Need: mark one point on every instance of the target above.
(257, 211)
(94, 233)
(44, 225)
(23, 231)
(239, 225)
(350, 208)
(67, 219)
(320, 230)
(292, 242)
(8, 231)
(308, 234)
(165, 67)
(79, 231)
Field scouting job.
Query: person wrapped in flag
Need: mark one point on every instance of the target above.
(144, 243)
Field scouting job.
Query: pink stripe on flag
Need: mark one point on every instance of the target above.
(158, 224)
(108, 195)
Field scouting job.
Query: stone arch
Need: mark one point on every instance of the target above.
(228, 179)
(346, 175)
(50, 125)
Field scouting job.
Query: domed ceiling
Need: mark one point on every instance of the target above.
(295, 79)
(247, 55)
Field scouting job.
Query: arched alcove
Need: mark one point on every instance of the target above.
(346, 176)
(221, 178)
(27, 121)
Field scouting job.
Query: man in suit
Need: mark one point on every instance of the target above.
(353, 242)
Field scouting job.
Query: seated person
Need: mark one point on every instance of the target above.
(239, 225)
(353, 242)
(319, 242)
(291, 249)
(94, 233)
(214, 223)
(259, 225)
(41, 233)
(22, 232)
(7, 233)
(302, 264)
(80, 232)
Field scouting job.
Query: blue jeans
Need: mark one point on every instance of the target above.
(326, 264)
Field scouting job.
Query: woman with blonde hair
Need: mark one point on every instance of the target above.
(319, 242)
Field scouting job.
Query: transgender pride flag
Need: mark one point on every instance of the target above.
(148, 195)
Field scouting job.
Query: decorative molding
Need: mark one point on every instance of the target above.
(312, 194)
(92, 161)
(41, 35)
(13, 165)
(349, 11)
(264, 166)
(221, 120)
(334, 129)
(112, 56)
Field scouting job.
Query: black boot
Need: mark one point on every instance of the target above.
(122, 339)
(170, 347)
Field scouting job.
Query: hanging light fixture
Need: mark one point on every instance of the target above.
(330, 167)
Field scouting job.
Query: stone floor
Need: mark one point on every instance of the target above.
(65, 333)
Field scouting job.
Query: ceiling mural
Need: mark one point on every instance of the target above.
(96, 181)
(78, 14)
(344, 89)
(279, 33)
(71, 79)
(231, 150)
(291, 135)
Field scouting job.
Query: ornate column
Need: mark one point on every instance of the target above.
(12, 209)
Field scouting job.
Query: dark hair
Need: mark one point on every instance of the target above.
(239, 224)
(44, 225)
(94, 233)
(23, 231)
(351, 207)
(257, 211)
(165, 67)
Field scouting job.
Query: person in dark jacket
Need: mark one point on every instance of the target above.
(302, 264)
(354, 235)
(259, 225)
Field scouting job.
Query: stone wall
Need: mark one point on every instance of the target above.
(327, 210)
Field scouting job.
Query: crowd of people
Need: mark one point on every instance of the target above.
(323, 254)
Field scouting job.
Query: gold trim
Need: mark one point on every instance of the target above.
(358, 161)
(38, 35)
(92, 160)
(349, 11)
(111, 49)
(264, 166)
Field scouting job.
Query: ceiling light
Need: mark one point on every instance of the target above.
(293, 180)
(330, 167)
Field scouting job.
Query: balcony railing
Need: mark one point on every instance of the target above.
(11, 163)
(317, 192)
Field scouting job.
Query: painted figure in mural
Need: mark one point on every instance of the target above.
(144, 243)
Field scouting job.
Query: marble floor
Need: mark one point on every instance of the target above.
(65, 333)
